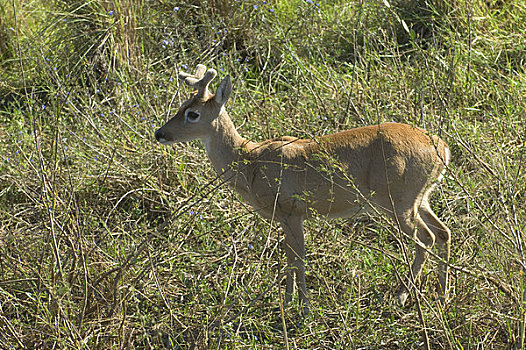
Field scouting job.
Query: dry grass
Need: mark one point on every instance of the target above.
(108, 240)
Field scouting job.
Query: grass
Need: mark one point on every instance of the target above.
(108, 240)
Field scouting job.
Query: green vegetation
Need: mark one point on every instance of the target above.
(109, 240)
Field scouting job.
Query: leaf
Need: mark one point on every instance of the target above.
(405, 26)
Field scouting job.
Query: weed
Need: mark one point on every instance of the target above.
(108, 240)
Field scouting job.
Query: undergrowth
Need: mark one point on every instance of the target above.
(108, 240)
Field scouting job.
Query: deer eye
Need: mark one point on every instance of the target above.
(192, 116)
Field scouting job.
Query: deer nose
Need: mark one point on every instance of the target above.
(163, 138)
(159, 135)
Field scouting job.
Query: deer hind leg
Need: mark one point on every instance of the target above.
(294, 245)
(443, 240)
(413, 224)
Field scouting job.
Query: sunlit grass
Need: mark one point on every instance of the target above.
(109, 240)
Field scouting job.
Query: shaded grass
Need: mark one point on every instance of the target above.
(109, 241)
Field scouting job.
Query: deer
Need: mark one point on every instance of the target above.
(390, 166)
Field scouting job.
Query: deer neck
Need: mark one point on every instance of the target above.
(225, 147)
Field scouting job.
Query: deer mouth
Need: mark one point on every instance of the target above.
(165, 142)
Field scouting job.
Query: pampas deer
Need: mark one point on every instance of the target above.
(392, 167)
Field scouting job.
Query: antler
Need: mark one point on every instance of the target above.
(199, 80)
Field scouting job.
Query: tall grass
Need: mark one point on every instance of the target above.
(108, 240)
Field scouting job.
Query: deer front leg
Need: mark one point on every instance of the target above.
(294, 244)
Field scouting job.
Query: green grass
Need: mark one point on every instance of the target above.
(109, 240)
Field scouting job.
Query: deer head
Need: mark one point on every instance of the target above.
(195, 118)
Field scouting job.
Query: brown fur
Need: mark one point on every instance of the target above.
(392, 167)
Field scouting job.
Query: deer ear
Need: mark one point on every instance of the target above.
(224, 90)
